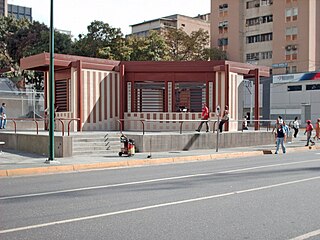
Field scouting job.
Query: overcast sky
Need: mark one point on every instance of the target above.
(76, 15)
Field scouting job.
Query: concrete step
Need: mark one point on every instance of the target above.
(97, 144)
(95, 152)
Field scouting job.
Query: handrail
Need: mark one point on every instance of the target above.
(182, 121)
(131, 120)
(69, 123)
(35, 120)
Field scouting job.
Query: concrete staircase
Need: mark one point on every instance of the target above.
(96, 143)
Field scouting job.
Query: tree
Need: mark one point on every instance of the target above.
(102, 41)
(8, 27)
(150, 48)
(216, 54)
(184, 47)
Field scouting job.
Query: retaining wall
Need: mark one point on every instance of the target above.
(185, 142)
(38, 144)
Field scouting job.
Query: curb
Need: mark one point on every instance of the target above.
(140, 162)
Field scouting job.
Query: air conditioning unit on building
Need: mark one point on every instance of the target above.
(288, 48)
(257, 5)
(294, 47)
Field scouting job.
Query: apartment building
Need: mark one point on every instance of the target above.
(15, 10)
(188, 24)
(3, 8)
(282, 34)
(20, 12)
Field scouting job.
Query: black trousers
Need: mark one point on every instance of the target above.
(200, 126)
(221, 124)
(296, 130)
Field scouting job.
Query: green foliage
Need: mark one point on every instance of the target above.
(184, 47)
(149, 48)
(216, 54)
(101, 41)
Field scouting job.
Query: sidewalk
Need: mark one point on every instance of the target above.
(14, 163)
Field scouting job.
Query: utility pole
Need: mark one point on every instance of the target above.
(51, 89)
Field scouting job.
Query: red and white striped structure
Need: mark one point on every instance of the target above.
(100, 92)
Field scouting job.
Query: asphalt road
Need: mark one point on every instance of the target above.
(272, 197)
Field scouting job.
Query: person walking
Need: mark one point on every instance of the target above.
(204, 118)
(281, 137)
(296, 126)
(309, 129)
(3, 116)
(317, 136)
(225, 117)
(245, 123)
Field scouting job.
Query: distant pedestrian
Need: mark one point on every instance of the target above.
(286, 128)
(317, 136)
(204, 118)
(281, 137)
(309, 129)
(224, 118)
(245, 123)
(3, 116)
(296, 127)
(278, 122)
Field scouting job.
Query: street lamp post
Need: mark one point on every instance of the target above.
(51, 88)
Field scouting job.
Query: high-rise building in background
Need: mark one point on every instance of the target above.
(177, 21)
(20, 12)
(15, 10)
(3, 8)
(284, 35)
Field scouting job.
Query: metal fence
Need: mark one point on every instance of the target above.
(23, 104)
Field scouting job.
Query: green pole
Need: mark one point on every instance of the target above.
(51, 88)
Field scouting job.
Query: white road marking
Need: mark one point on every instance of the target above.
(307, 235)
(153, 180)
(72, 220)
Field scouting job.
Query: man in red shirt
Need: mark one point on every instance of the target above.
(204, 117)
(309, 129)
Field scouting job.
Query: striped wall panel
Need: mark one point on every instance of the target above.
(101, 100)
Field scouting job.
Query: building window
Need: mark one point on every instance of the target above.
(223, 10)
(291, 33)
(222, 41)
(294, 69)
(260, 38)
(252, 56)
(313, 87)
(253, 4)
(295, 88)
(266, 2)
(291, 14)
(223, 27)
(266, 55)
(259, 20)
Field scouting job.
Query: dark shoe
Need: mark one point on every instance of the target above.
(306, 145)
(197, 130)
(276, 153)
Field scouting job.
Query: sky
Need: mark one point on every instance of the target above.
(76, 15)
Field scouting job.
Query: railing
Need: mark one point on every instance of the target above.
(214, 123)
(15, 120)
(37, 120)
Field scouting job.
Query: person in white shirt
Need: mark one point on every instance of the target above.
(296, 126)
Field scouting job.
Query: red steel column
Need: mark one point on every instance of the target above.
(123, 91)
(227, 71)
(80, 94)
(256, 100)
